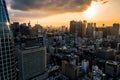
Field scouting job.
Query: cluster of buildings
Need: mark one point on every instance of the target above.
(24, 60)
(84, 52)
(90, 30)
(25, 29)
(84, 58)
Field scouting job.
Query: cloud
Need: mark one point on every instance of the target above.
(105, 2)
(51, 5)
(27, 9)
(102, 1)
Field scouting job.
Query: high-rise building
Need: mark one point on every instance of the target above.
(32, 64)
(112, 68)
(116, 30)
(69, 70)
(109, 32)
(74, 27)
(78, 28)
(31, 61)
(15, 27)
(7, 56)
(90, 31)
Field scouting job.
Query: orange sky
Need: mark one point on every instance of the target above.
(107, 14)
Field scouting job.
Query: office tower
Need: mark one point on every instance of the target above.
(78, 28)
(24, 29)
(7, 56)
(69, 70)
(74, 27)
(90, 31)
(109, 32)
(105, 53)
(98, 34)
(116, 30)
(15, 27)
(112, 68)
(32, 61)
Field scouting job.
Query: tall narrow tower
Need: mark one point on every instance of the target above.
(7, 57)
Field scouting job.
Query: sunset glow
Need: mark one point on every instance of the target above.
(92, 10)
(98, 11)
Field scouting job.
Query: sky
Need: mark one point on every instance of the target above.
(61, 12)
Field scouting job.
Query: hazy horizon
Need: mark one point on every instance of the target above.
(57, 13)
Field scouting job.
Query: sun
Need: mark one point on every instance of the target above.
(92, 10)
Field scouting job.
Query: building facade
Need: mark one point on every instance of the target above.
(116, 30)
(90, 31)
(7, 56)
(78, 28)
(32, 63)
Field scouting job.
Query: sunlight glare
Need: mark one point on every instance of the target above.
(92, 10)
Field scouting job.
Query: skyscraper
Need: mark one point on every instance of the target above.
(7, 57)
(116, 30)
(90, 31)
(32, 63)
(78, 27)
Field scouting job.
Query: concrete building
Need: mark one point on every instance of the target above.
(75, 27)
(84, 26)
(116, 30)
(98, 34)
(112, 68)
(69, 70)
(105, 31)
(7, 56)
(15, 27)
(32, 63)
(90, 32)
(109, 32)
(85, 65)
(105, 53)
(20, 28)
(78, 28)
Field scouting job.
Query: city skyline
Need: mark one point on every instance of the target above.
(84, 51)
(62, 12)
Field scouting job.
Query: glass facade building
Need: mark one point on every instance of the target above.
(7, 56)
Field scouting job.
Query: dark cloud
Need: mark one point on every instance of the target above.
(44, 8)
(51, 5)
(105, 2)
(102, 1)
